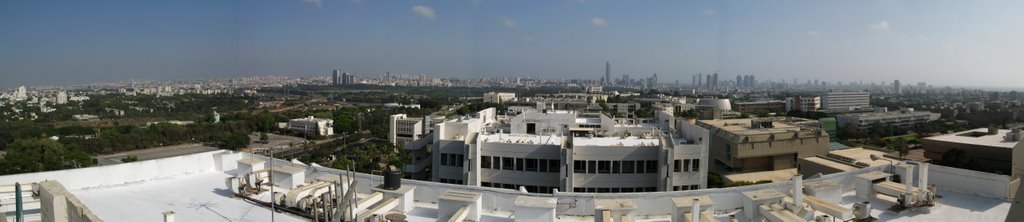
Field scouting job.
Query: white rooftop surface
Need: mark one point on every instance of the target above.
(985, 140)
(521, 138)
(203, 196)
(588, 120)
(198, 197)
(615, 141)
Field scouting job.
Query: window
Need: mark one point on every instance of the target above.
(615, 166)
(579, 166)
(694, 187)
(508, 186)
(603, 190)
(531, 189)
(591, 166)
(640, 168)
(485, 184)
(683, 187)
(676, 165)
(696, 165)
(531, 128)
(444, 160)
(519, 164)
(686, 165)
(543, 164)
(628, 166)
(604, 167)
(627, 189)
(460, 160)
(554, 166)
(507, 163)
(578, 189)
(615, 190)
(650, 189)
(591, 190)
(652, 166)
(531, 165)
(497, 163)
(485, 162)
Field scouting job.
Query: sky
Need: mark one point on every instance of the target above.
(959, 43)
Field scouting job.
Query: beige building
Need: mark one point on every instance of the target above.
(498, 97)
(747, 145)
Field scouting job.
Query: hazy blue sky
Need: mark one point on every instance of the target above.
(964, 43)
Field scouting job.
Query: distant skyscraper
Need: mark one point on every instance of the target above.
(335, 77)
(739, 81)
(608, 72)
(708, 80)
(625, 79)
(714, 83)
(896, 87)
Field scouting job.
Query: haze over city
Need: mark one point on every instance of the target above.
(938, 42)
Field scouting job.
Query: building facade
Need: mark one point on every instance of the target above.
(901, 118)
(760, 106)
(803, 104)
(570, 152)
(845, 101)
(750, 145)
(318, 126)
(498, 97)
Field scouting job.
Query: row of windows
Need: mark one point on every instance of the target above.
(685, 187)
(451, 181)
(520, 164)
(686, 165)
(615, 166)
(455, 160)
(529, 188)
(613, 189)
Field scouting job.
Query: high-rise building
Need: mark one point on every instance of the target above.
(708, 84)
(347, 79)
(625, 79)
(608, 73)
(897, 88)
(739, 81)
(21, 94)
(335, 77)
(714, 82)
(62, 97)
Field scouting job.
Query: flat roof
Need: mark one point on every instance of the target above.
(742, 126)
(830, 163)
(615, 141)
(521, 139)
(983, 140)
(774, 175)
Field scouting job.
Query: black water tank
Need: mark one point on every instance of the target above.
(392, 180)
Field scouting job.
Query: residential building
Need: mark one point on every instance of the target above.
(837, 101)
(903, 118)
(317, 126)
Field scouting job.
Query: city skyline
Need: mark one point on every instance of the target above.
(873, 41)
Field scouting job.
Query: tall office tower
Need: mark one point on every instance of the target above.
(715, 82)
(708, 80)
(335, 77)
(739, 81)
(653, 81)
(700, 79)
(608, 72)
(694, 81)
(625, 79)
(387, 76)
(753, 81)
(897, 88)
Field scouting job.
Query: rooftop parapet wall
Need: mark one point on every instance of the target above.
(125, 173)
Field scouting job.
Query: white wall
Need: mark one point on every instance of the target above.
(124, 173)
(969, 181)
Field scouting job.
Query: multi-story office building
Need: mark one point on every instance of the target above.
(416, 138)
(989, 149)
(749, 145)
(803, 104)
(336, 77)
(404, 129)
(498, 97)
(760, 106)
(845, 101)
(571, 152)
(318, 126)
(902, 118)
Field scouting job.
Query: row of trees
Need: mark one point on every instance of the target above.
(34, 155)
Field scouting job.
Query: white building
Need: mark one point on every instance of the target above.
(322, 127)
(62, 97)
(21, 94)
(901, 118)
(845, 101)
(570, 151)
(804, 104)
(498, 97)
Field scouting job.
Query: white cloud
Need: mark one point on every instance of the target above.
(426, 12)
(883, 26)
(598, 22)
(710, 12)
(508, 22)
(317, 3)
(812, 33)
(529, 38)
